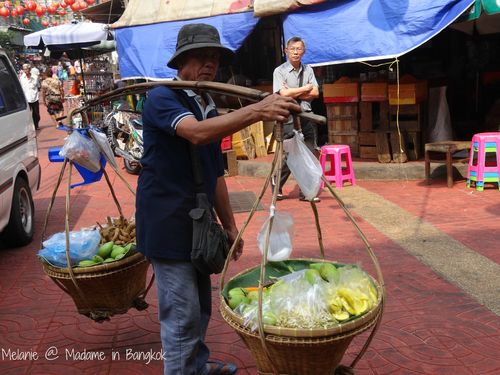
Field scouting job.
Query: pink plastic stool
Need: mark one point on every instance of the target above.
(483, 166)
(336, 172)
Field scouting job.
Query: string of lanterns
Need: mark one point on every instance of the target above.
(31, 8)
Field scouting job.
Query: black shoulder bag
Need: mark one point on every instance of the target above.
(210, 244)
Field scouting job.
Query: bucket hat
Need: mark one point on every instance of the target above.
(199, 35)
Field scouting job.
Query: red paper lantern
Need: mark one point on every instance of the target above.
(20, 10)
(45, 23)
(13, 13)
(30, 5)
(69, 2)
(62, 12)
(55, 23)
(40, 10)
(63, 4)
(75, 7)
(83, 5)
(90, 2)
(4, 12)
(51, 9)
(26, 21)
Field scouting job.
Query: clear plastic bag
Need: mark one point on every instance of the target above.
(280, 240)
(81, 150)
(83, 244)
(102, 140)
(294, 301)
(304, 166)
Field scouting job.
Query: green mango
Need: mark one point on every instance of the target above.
(105, 249)
(269, 318)
(316, 266)
(130, 246)
(253, 295)
(116, 251)
(312, 276)
(236, 300)
(120, 256)
(329, 273)
(97, 259)
(86, 263)
(236, 291)
(109, 260)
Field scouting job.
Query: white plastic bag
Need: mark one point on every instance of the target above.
(304, 166)
(280, 240)
(102, 140)
(82, 151)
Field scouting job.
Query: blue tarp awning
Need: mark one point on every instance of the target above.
(144, 51)
(362, 30)
(335, 32)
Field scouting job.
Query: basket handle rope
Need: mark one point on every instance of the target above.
(276, 168)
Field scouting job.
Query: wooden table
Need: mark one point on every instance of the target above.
(443, 152)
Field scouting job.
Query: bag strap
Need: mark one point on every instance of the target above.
(301, 79)
(199, 186)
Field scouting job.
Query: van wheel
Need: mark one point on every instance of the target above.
(19, 231)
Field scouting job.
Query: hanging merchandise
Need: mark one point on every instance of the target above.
(304, 166)
(281, 237)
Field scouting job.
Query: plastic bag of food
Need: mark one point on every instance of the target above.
(304, 166)
(83, 244)
(103, 143)
(280, 240)
(297, 300)
(81, 150)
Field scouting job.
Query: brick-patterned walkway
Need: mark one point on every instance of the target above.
(430, 325)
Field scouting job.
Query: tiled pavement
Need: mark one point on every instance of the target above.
(430, 324)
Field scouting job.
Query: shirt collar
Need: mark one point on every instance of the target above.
(290, 67)
(210, 102)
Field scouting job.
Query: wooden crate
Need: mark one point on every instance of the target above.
(347, 92)
(373, 115)
(342, 117)
(367, 138)
(243, 144)
(257, 134)
(230, 162)
(413, 144)
(374, 92)
(409, 93)
(410, 117)
(345, 138)
(368, 152)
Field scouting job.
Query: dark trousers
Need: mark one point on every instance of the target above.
(35, 113)
(309, 132)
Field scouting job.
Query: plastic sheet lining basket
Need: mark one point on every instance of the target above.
(293, 351)
(104, 290)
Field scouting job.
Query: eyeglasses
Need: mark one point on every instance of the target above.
(295, 49)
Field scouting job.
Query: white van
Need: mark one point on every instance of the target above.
(19, 167)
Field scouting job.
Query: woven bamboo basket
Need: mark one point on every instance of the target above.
(290, 351)
(301, 351)
(102, 291)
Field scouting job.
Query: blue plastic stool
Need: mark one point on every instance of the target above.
(88, 176)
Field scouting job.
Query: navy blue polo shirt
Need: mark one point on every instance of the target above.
(165, 190)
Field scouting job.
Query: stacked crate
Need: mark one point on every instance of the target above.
(341, 99)
(410, 114)
(374, 118)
